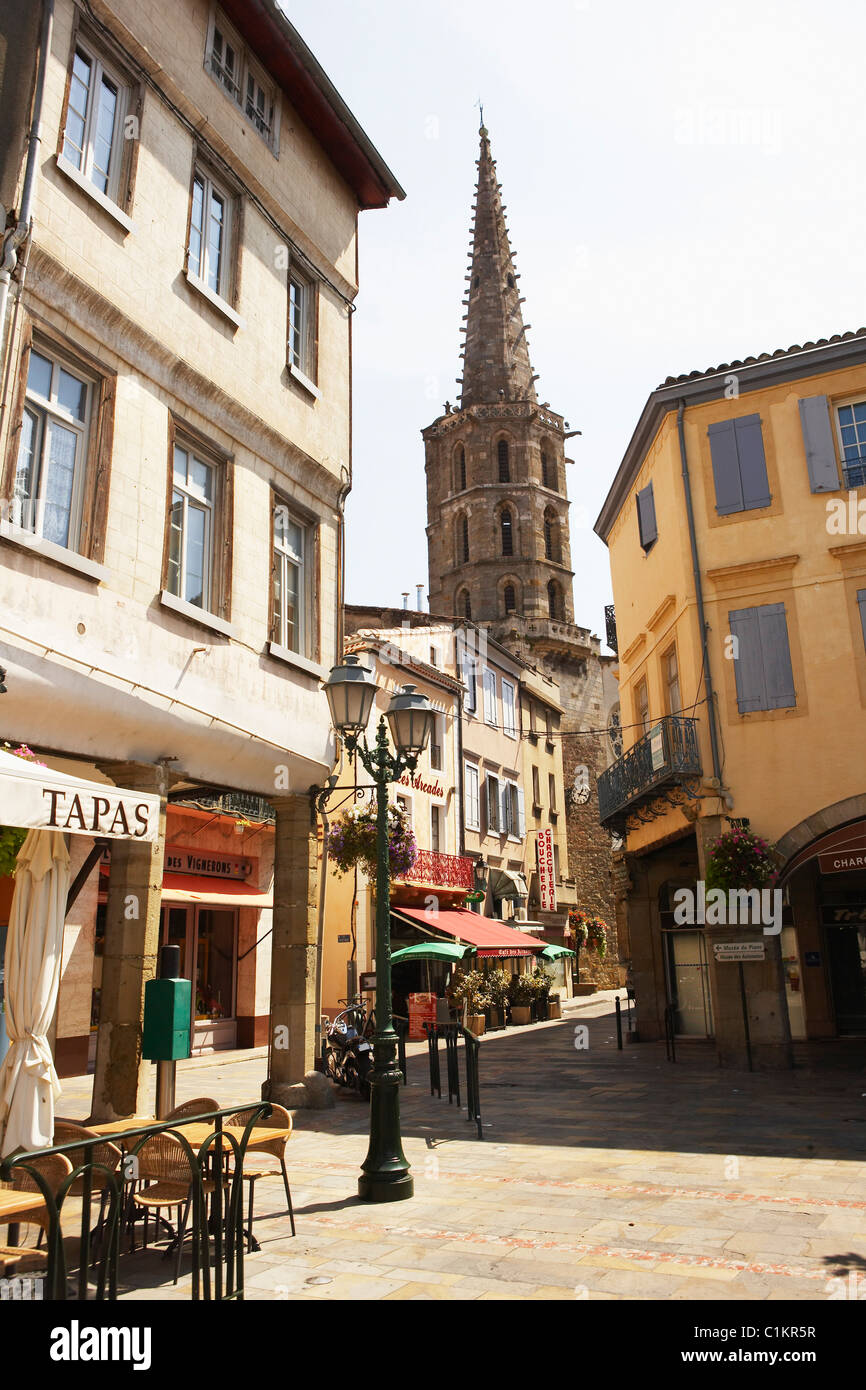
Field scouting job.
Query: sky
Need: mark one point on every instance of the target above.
(684, 186)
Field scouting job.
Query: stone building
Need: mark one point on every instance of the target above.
(181, 186)
(499, 550)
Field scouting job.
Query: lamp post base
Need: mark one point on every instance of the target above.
(385, 1187)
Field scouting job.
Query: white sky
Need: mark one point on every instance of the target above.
(684, 185)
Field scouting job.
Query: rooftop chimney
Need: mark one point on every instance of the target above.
(419, 601)
(406, 598)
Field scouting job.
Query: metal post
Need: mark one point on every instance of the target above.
(385, 1171)
(618, 1023)
(745, 1017)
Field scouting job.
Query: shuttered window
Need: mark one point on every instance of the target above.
(861, 601)
(739, 465)
(819, 444)
(472, 798)
(494, 819)
(490, 713)
(646, 517)
(762, 658)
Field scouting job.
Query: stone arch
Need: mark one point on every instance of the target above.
(459, 468)
(506, 506)
(819, 824)
(555, 601)
(461, 538)
(503, 459)
(549, 467)
(552, 535)
(512, 602)
(463, 603)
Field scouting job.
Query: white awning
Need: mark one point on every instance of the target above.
(38, 798)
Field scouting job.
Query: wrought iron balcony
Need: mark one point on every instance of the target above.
(854, 468)
(441, 871)
(667, 756)
(243, 805)
(610, 626)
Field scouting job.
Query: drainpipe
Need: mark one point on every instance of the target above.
(699, 594)
(17, 234)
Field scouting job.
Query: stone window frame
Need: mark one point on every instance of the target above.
(312, 616)
(555, 601)
(463, 602)
(462, 548)
(504, 582)
(547, 454)
(503, 438)
(507, 504)
(182, 435)
(552, 534)
(98, 454)
(459, 470)
(227, 297)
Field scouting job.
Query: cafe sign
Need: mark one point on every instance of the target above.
(35, 797)
(210, 863)
(843, 861)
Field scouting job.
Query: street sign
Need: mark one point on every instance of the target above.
(368, 981)
(739, 950)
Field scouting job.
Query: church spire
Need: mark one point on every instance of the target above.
(496, 364)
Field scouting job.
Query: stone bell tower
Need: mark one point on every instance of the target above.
(498, 542)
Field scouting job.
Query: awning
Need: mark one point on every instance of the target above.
(38, 798)
(197, 888)
(556, 952)
(503, 883)
(429, 950)
(490, 936)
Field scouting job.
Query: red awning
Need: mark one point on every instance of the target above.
(492, 938)
(226, 892)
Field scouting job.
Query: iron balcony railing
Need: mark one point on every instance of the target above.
(441, 870)
(244, 805)
(667, 753)
(854, 469)
(610, 626)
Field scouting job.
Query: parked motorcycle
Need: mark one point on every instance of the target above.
(346, 1050)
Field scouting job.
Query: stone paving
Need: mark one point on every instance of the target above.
(602, 1175)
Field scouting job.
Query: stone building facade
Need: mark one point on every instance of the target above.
(499, 549)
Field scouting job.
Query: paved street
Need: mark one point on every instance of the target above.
(603, 1175)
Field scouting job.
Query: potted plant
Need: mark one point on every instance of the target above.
(354, 840)
(740, 859)
(497, 983)
(541, 983)
(554, 1006)
(469, 996)
(521, 992)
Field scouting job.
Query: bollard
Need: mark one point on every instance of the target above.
(618, 1023)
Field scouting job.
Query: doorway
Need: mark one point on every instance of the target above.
(207, 938)
(687, 980)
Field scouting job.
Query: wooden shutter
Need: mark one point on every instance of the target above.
(646, 516)
(739, 465)
(521, 814)
(861, 600)
(505, 802)
(764, 676)
(819, 443)
(492, 802)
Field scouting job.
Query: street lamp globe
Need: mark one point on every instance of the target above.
(351, 689)
(410, 716)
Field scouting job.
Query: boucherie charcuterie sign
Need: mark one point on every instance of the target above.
(34, 797)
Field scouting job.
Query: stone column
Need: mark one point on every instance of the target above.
(760, 1026)
(295, 947)
(130, 959)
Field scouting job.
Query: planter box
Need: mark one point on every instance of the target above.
(496, 1019)
(554, 1009)
(476, 1024)
(521, 1013)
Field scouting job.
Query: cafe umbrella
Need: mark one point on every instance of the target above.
(47, 803)
(431, 950)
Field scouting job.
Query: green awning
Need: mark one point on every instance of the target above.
(556, 952)
(431, 950)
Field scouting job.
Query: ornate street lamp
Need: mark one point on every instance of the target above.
(351, 691)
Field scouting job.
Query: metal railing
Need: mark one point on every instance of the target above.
(854, 471)
(450, 1033)
(668, 752)
(226, 1237)
(610, 626)
(441, 870)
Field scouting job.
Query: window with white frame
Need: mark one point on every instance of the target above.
(302, 324)
(466, 674)
(233, 66)
(436, 742)
(404, 804)
(210, 252)
(191, 529)
(93, 131)
(52, 454)
(293, 540)
(513, 818)
(472, 799)
(490, 713)
(509, 709)
(436, 833)
(494, 811)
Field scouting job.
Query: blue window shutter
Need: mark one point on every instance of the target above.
(726, 467)
(646, 517)
(861, 599)
(753, 465)
(778, 675)
(819, 444)
(748, 664)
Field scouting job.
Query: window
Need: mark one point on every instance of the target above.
(464, 604)
(548, 728)
(460, 478)
(852, 433)
(507, 536)
(509, 709)
(93, 140)
(243, 80)
(490, 715)
(466, 673)
(536, 789)
(552, 545)
(551, 791)
(504, 465)
(762, 660)
(463, 530)
(739, 465)
(646, 518)
(513, 823)
(191, 529)
(672, 681)
(473, 808)
(436, 829)
(48, 486)
(292, 571)
(548, 470)
(435, 656)
(861, 602)
(494, 818)
(404, 804)
(509, 598)
(302, 325)
(210, 250)
(436, 741)
(554, 600)
(641, 705)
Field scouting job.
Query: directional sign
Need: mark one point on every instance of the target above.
(739, 950)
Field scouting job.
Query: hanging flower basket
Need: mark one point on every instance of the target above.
(588, 930)
(353, 840)
(12, 837)
(740, 859)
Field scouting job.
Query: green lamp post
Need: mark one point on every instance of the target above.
(351, 691)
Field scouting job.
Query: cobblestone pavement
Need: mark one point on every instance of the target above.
(602, 1175)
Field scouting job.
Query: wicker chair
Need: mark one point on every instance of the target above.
(55, 1169)
(256, 1164)
(164, 1165)
(106, 1155)
(202, 1105)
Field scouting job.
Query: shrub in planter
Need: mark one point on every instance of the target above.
(469, 988)
(354, 840)
(521, 993)
(497, 983)
(740, 859)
